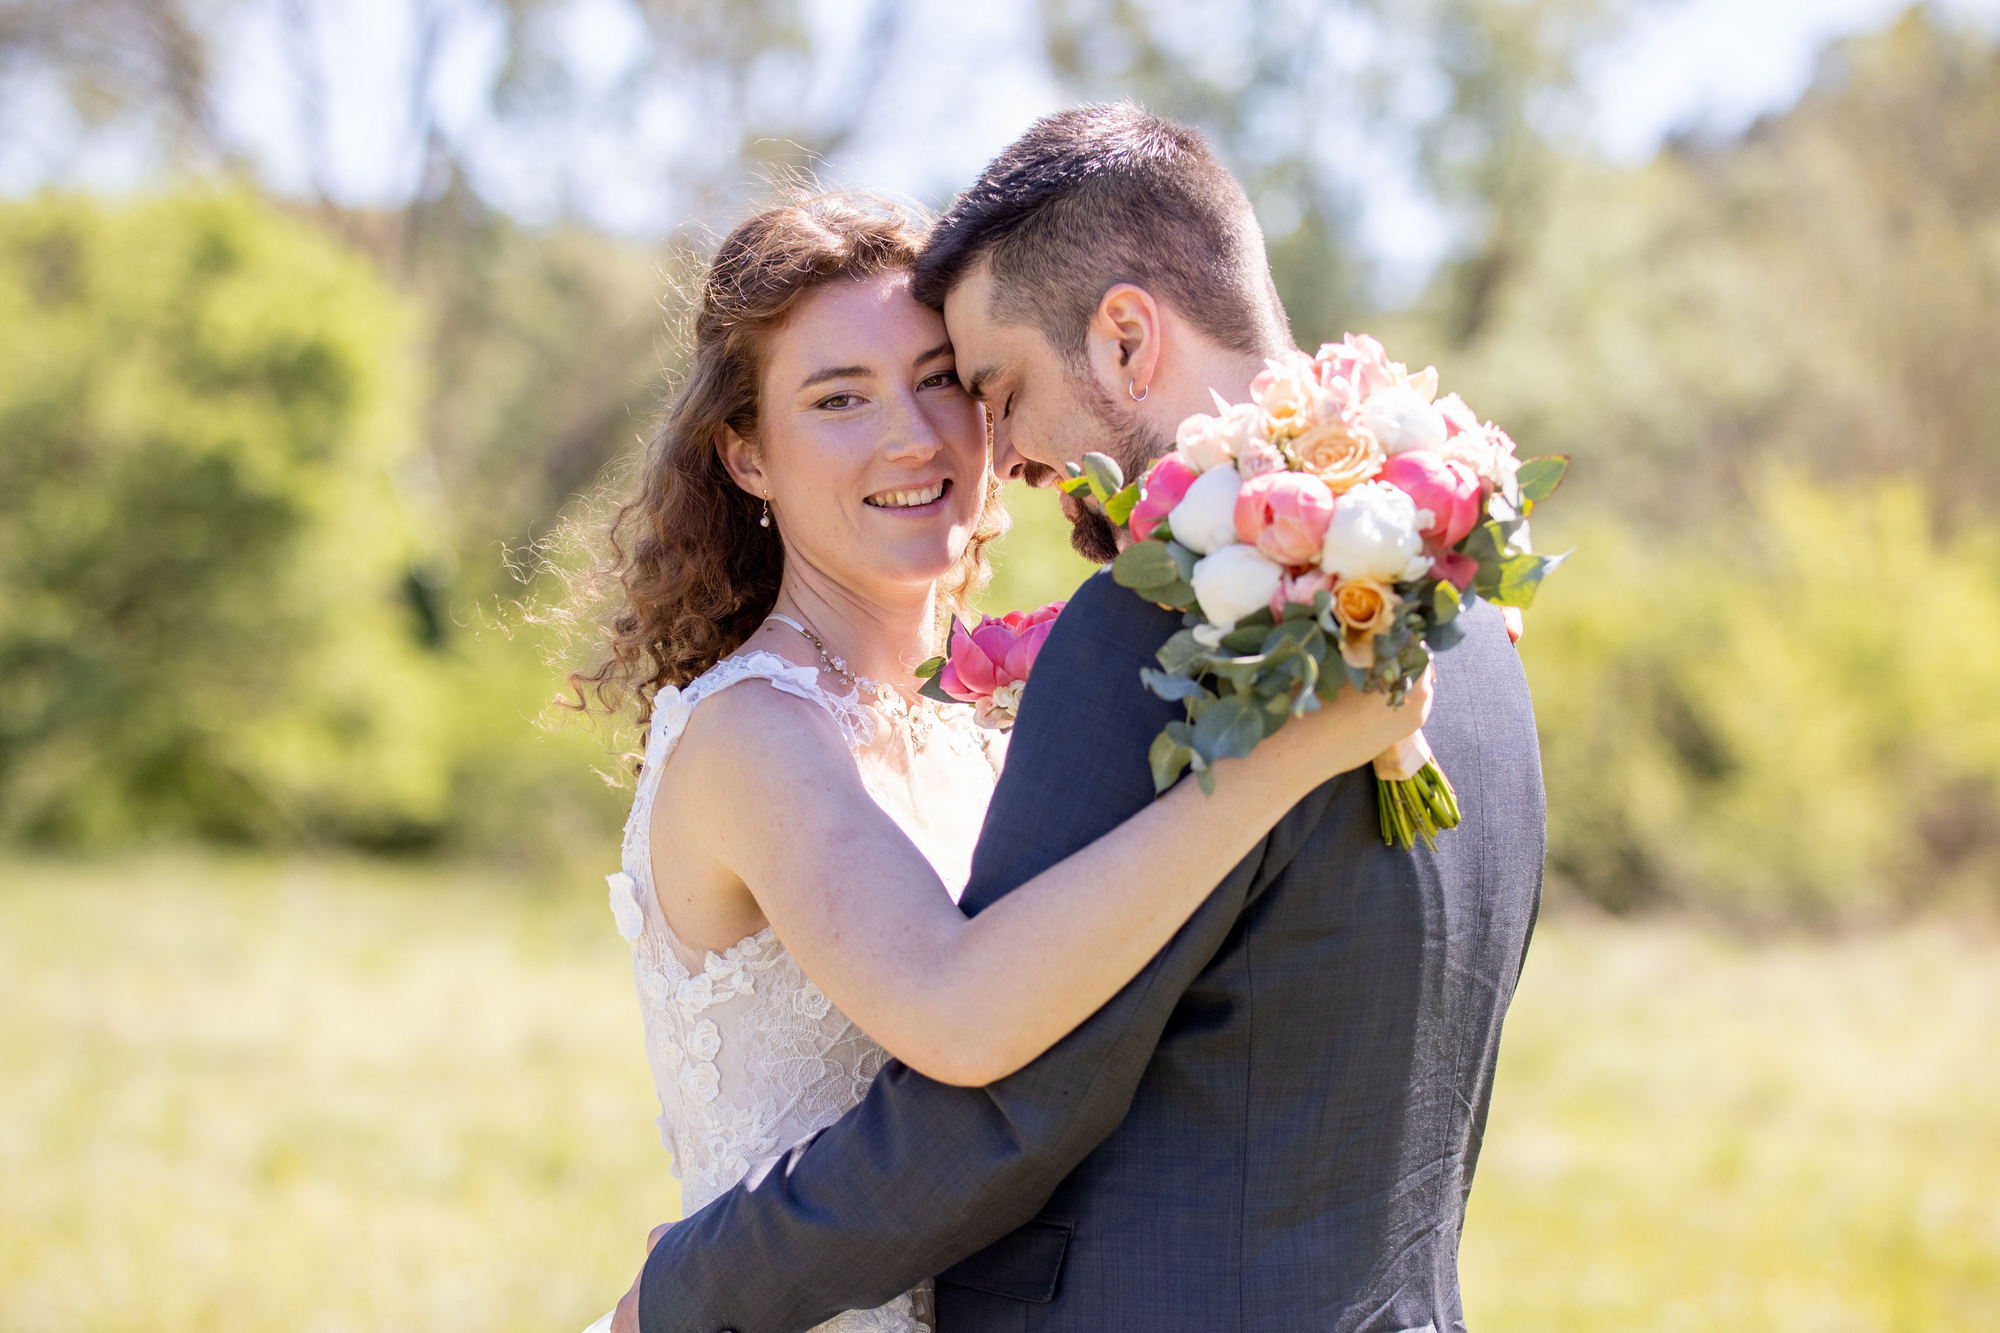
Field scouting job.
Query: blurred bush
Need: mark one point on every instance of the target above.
(217, 619)
(205, 547)
(1767, 716)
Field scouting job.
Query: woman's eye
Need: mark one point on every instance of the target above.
(944, 379)
(839, 402)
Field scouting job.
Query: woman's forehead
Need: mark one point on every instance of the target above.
(853, 318)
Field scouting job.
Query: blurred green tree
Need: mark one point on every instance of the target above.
(204, 535)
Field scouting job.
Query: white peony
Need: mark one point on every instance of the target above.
(1401, 419)
(1374, 535)
(1235, 582)
(1205, 519)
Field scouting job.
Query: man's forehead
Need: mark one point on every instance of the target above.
(985, 347)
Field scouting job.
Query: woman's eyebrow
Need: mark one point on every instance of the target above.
(942, 349)
(834, 373)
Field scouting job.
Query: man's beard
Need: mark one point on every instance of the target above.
(1130, 444)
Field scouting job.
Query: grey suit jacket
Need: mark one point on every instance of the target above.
(1274, 1126)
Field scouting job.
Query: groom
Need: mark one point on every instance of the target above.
(1275, 1125)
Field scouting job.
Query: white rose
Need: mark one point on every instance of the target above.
(1205, 519)
(1242, 424)
(1374, 535)
(1235, 582)
(1401, 419)
(1201, 442)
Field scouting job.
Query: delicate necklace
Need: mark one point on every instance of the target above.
(917, 721)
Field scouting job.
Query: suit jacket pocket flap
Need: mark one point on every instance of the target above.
(1022, 1266)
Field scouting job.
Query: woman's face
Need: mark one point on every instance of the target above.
(873, 456)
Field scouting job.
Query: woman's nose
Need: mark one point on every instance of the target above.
(912, 435)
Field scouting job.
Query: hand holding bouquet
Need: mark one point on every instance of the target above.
(1326, 534)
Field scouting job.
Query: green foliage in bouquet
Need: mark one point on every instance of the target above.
(1240, 686)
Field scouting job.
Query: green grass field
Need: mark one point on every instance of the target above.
(335, 1096)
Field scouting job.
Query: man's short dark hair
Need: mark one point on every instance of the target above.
(1098, 195)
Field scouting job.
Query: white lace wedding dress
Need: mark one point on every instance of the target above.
(749, 1057)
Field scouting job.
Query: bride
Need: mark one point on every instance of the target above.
(812, 509)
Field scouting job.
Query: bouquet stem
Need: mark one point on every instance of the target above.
(1414, 796)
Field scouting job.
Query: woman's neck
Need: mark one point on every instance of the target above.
(880, 637)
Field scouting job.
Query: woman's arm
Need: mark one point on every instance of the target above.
(771, 797)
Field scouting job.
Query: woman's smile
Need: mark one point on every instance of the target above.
(913, 501)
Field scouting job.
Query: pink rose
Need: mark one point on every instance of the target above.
(987, 664)
(1257, 458)
(1300, 588)
(1166, 482)
(1445, 487)
(1284, 515)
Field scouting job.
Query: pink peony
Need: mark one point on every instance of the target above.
(1446, 488)
(1458, 417)
(1456, 568)
(1166, 482)
(987, 664)
(1284, 515)
(1300, 588)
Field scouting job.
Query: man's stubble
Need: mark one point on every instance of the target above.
(1129, 442)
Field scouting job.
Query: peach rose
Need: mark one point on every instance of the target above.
(1339, 455)
(1285, 389)
(1364, 608)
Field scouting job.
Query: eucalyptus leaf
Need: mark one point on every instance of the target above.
(1144, 565)
(1120, 506)
(1539, 477)
(1168, 760)
(1180, 652)
(1519, 579)
(1228, 729)
(1105, 476)
(1445, 603)
(1172, 687)
(1446, 636)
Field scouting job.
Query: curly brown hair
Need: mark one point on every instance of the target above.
(695, 572)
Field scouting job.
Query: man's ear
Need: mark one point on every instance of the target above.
(1123, 341)
(744, 464)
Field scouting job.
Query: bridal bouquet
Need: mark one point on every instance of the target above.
(1327, 533)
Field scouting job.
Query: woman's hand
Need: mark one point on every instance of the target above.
(1347, 733)
(625, 1319)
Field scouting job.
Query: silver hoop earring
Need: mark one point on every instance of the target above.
(1137, 395)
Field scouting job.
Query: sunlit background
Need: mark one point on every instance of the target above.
(316, 316)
